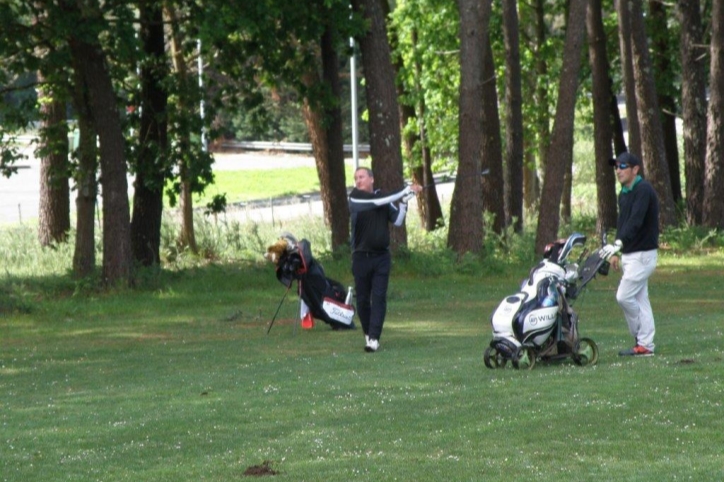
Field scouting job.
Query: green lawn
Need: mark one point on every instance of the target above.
(178, 381)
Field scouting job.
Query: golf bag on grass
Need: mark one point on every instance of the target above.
(325, 298)
(538, 322)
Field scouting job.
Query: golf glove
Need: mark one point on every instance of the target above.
(409, 194)
(611, 250)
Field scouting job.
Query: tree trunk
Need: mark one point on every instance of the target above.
(647, 105)
(54, 204)
(713, 207)
(693, 105)
(84, 256)
(513, 119)
(384, 121)
(666, 90)
(153, 144)
(333, 185)
(562, 136)
(623, 10)
(492, 160)
(543, 120)
(86, 183)
(602, 126)
(465, 232)
(89, 59)
(187, 235)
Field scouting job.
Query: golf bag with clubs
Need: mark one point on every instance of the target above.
(538, 322)
(326, 299)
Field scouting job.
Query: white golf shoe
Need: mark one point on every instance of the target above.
(372, 345)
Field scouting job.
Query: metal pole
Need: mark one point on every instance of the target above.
(204, 142)
(353, 93)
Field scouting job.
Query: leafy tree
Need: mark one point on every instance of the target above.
(693, 104)
(652, 142)
(602, 125)
(466, 224)
(713, 205)
(560, 152)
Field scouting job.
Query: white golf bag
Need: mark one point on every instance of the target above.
(538, 321)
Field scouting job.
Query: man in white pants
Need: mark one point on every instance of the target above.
(637, 240)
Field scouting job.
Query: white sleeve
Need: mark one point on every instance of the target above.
(401, 215)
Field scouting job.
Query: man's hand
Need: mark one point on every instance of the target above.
(410, 192)
(611, 250)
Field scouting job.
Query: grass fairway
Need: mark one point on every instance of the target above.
(179, 382)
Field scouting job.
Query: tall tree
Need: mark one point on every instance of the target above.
(560, 152)
(54, 203)
(713, 207)
(513, 118)
(602, 125)
(693, 105)
(466, 223)
(492, 160)
(653, 151)
(384, 125)
(623, 10)
(152, 160)
(663, 52)
(324, 122)
(86, 183)
(89, 59)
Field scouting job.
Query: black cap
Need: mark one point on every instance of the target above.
(626, 157)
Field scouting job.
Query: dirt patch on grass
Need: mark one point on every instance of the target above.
(260, 470)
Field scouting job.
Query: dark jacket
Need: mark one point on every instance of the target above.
(638, 217)
(370, 232)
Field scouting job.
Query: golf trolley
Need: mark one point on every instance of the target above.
(538, 322)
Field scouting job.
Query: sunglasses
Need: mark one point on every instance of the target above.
(621, 165)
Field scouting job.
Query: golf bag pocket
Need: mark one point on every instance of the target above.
(337, 311)
(504, 315)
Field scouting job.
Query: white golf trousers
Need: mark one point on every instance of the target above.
(633, 295)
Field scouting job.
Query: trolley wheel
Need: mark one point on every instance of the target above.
(493, 358)
(525, 360)
(587, 353)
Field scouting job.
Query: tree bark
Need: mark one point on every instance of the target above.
(693, 105)
(89, 59)
(153, 144)
(384, 121)
(602, 125)
(334, 183)
(624, 35)
(662, 51)
(492, 160)
(713, 207)
(86, 182)
(562, 136)
(465, 233)
(513, 185)
(647, 105)
(187, 235)
(54, 203)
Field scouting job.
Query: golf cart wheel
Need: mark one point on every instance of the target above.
(587, 353)
(493, 358)
(525, 359)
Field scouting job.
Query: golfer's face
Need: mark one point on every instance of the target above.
(363, 181)
(627, 175)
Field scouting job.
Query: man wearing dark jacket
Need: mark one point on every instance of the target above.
(637, 240)
(370, 213)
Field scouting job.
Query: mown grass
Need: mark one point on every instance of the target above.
(178, 380)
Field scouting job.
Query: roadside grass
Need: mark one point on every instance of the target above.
(178, 380)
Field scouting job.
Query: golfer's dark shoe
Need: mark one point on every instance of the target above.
(638, 350)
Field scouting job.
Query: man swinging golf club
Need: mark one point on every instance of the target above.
(370, 213)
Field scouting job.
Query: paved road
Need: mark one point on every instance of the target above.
(19, 195)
